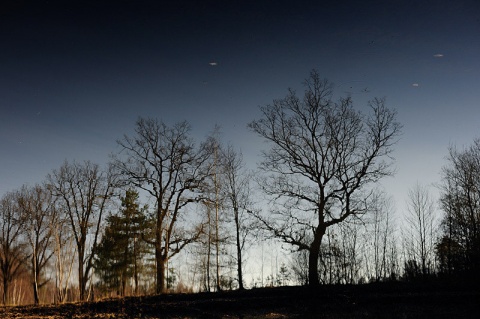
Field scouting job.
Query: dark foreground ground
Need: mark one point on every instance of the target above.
(367, 301)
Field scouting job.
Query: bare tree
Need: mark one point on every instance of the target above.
(381, 234)
(459, 248)
(421, 227)
(217, 202)
(229, 199)
(323, 159)
(84, 192)
(36, 206)
(237, 190)
(164, 162)
(213, 244)
(206, 239)
(12, 249)
(65, 252)
(299, 265)
(350, 244)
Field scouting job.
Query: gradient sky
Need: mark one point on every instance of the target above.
(75, 75)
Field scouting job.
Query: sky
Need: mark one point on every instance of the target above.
(76, 75)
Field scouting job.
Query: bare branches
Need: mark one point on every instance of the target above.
(83, 191)
(323, 155)
(420, 219)
(164, 162)
(12, 252)
(38, 214)
(459, 249)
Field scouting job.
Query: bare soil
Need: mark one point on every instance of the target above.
(366, 301)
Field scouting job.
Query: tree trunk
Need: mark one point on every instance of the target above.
(35, 279)
(217, 250)
(161, 262)
(5, 290)
(135, 270)
(124, 284)
(36, 299)
(314, 252)
(217, 243)
(239, 251)
(81, 281)
(209, 250)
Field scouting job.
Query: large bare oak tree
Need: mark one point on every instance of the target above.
(324, 158)
(164, 162)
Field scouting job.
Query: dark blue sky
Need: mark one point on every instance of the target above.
(75, 75)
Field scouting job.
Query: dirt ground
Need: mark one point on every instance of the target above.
(368, 301)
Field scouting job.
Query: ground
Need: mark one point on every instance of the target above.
(366, 301)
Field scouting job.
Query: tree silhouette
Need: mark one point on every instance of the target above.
(164, 162)
(459, 247)
(12, 249)
(36, 206)
(323, 159)
(121, 249)
(84, 191)
(421, 228)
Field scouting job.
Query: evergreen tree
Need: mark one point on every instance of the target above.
(122, 247)
(107, 263)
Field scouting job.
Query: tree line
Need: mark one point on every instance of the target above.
(89, 229)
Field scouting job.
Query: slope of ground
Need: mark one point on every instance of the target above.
(369, 301)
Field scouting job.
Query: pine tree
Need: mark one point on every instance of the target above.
(122, 247)
(107, 262)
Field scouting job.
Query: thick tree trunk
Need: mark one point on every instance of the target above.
(314, 252)
(5, 291)
(161, 262)
(36, 299)
(239, 267)
(81, 281)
